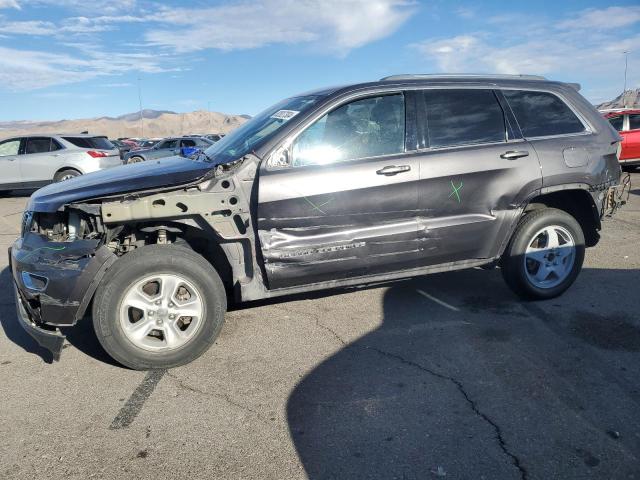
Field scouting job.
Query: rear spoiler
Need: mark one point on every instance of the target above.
(575, 86)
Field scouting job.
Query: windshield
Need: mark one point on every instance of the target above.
(260, 128)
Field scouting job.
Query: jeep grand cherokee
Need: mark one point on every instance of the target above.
(338, 187)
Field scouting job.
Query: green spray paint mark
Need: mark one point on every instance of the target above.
(55, 249)
(456, 191)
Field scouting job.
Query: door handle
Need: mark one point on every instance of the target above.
(513, 154)
(393, 170)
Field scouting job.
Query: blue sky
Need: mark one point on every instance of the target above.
(76, 58)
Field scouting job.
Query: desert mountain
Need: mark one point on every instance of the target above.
(155, 123)
(628, 99)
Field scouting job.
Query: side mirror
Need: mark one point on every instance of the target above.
(280, 158)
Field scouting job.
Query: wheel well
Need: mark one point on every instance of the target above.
(212, 251)
(578, 204)
(127, 237)
(66, 169)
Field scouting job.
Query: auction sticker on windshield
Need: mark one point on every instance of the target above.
(285, 114)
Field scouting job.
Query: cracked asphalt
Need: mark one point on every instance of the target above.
(444, 376)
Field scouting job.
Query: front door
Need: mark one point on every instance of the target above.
(475, 171)
(345, 204)
(9, 150)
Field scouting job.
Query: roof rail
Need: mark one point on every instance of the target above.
(435, 76)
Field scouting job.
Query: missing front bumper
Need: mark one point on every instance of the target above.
(52, 339)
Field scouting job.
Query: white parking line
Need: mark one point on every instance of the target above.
(437, 300)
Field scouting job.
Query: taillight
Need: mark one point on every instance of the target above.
(96, 154)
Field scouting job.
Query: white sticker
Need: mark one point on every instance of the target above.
(285, 114)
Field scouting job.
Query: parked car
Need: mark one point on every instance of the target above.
(167, 148)
(131, 143)
(214, 137)
(122, 147)
(340, 187)
(35, 160)
(627, 122)
(148, 143)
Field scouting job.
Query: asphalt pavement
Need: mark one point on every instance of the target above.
(444, 376)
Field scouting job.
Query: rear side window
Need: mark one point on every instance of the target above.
(99, 143)
(616, 122)
(41, 145)
(463, 117)
(542, 114)
(634, 121)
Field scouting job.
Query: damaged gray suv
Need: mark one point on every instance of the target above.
(346, 186)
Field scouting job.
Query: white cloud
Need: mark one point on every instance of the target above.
(29, 27)
(336, 25)
(116, 85)
(28, 69)
(90, 7)
(9, 4)
(602, 19)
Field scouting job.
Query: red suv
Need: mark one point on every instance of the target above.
(627, 122)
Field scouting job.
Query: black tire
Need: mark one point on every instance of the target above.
(135, 159)
(63, 175)
(513, 262)
(145, 261)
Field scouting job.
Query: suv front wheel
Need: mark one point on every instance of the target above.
(545, 254)
(159, 307)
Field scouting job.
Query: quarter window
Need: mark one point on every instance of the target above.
(634, 121)
(541, 114)
(462, 117)
(9, 148)
(370, 127)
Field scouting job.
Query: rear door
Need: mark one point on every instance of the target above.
(9, 166)
(475, 171)
(344, 205)
(40, 160)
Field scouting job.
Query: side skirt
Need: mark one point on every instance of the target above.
(367, 279)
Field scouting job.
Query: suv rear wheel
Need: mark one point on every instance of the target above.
(67, 174)
(545, 254)
(159, 307)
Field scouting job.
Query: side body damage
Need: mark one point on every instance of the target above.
(271, 228)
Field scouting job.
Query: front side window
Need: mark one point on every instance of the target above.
(542, 114)
(463, 117)
(187, 143)
(370, 127)
(634, 121)
(616, 122)
(9, 148)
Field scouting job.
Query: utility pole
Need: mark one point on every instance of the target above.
(140, 105)
(626, 64)
(209, 115)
